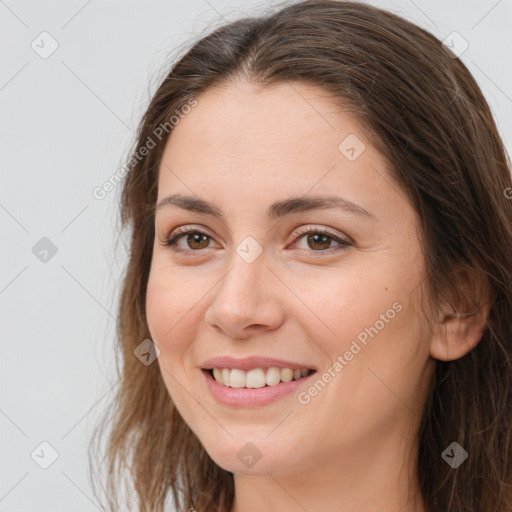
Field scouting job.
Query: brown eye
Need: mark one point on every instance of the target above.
(197, 241)
(319, 241)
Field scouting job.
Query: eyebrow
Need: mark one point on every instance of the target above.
(274, 211)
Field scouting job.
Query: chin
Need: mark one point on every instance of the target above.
(251, 455)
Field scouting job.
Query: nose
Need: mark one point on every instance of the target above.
(246, 300)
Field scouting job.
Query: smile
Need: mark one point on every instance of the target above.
(257, 377)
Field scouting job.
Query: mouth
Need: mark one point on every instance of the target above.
(253, 381)
(257, 378)
(257, 387)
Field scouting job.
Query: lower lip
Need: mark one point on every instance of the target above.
(237, 397)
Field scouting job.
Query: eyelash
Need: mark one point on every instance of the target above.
(171, 241)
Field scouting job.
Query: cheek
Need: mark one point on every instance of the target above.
(167, 305)
(342, 304)
(367, 317)
(168, 322)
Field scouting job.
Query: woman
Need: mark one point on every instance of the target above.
(316, 313)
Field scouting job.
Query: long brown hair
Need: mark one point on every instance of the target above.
(426, 114)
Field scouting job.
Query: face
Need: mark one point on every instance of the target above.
(333, 290)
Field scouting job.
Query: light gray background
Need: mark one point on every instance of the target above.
(66, 123)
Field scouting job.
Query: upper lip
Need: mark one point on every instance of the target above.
(249, 363)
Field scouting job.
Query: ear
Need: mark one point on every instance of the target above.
(461, 322)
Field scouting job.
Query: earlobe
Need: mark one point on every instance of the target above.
(460, 327)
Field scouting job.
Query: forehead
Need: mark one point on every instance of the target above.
(240, 127)
(246, 144)
(245, 121)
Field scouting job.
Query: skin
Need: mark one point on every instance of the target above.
(353, 446)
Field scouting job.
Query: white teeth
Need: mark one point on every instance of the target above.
(237, 378)
(273, 376)
(257, 377)
(286, 375)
